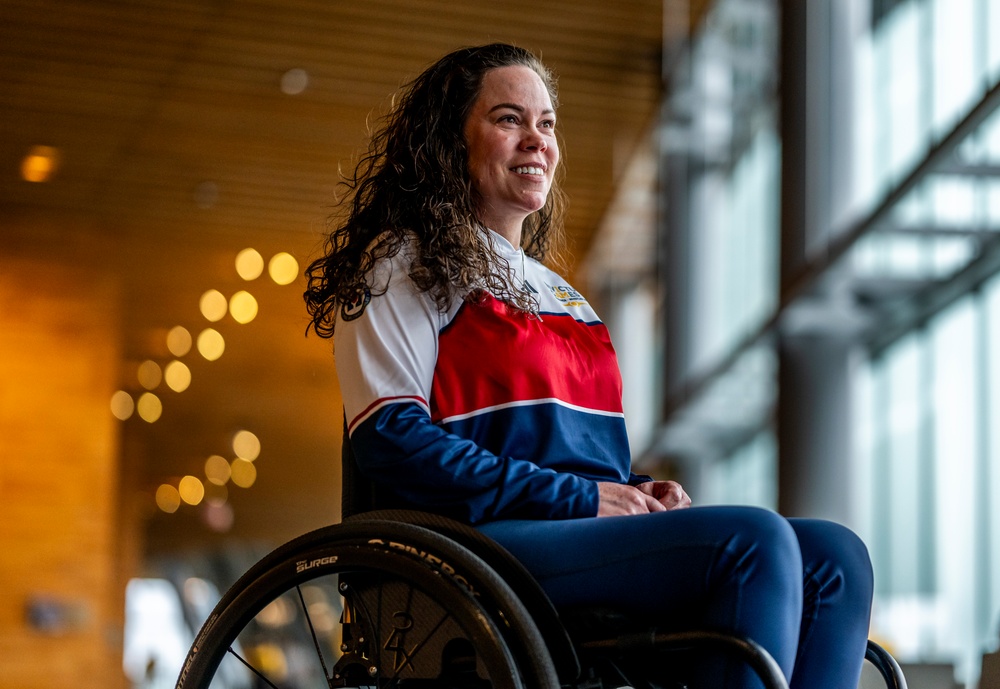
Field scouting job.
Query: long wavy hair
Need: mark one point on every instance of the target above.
(413, 185)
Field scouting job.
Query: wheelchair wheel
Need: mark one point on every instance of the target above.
(368, 604)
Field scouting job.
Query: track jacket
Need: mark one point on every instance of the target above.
(482, 412)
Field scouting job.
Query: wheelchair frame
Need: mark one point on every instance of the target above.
(431, 602)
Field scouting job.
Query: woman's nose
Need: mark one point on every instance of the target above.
(533, 141)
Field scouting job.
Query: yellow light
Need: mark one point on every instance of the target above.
(283, 268)
(277, 613)
(213, 305)
(243, 307)
(167, 498)
(191, 490)
(40, 164)
(177, 375)
(249, 264)
(179, 340)
(149, 406)
(217, 470)
(270, 659)
(211, 344)
(122, 405)
(246, 445)
(244, 472)
(149, 374)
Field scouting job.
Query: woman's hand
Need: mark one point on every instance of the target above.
(618, 499)
(670, 494)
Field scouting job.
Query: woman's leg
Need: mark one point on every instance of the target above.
(734, 569)
(836, 612)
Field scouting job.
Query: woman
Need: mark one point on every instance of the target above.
(478, 384)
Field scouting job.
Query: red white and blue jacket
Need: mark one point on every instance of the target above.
(482, 412)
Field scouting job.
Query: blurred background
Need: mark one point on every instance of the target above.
(788, 214)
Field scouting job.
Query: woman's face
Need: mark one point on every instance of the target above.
(512, 148)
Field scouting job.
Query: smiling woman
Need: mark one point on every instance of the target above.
(413, 188)
(513, 152)
(478, 384)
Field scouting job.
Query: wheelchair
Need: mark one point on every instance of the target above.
(410, 600)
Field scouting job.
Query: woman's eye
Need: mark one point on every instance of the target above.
(548, 124)
(509, 118)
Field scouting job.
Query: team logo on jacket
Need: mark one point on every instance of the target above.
(567, 295)
(355, 308)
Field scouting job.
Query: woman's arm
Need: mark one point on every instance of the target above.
(402, 450)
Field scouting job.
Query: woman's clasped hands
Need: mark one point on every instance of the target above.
(618, 499)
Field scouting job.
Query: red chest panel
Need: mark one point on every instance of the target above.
(491, 356)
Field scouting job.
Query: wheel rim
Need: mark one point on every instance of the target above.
(285, 632)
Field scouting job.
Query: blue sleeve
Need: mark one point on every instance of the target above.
(399, 448)
(635, 479)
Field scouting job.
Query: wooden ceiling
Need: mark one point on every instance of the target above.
(178, 148)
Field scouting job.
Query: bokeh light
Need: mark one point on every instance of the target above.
(198, 593)
(324, 616)
(177, 376)
(277, 613)
(244, 472)
(167, 498)
(217, 470)
(246, 445)
(283, 268)
(213, 305)
(211, 344)
(249, 264)
(149, 407)
(243, 307)
(294, 81)
(40, 164)
(122, 405)
(149, 374)
(191, 490)
(271, 659)
(179, 340)
(218, 517)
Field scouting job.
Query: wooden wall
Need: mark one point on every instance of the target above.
(62, 565)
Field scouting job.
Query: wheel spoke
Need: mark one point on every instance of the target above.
(312, 632)
(402, 620)
(421, 644)
(253, 669)
(380, 648)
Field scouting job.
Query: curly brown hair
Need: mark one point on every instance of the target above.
(413, 185)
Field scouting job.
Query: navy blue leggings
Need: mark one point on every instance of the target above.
(801, 588)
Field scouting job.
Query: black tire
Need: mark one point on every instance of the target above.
(544, 615)
(423, 571)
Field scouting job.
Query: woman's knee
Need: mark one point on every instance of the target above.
(835, 555)
(769, 533)
(763, 547)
